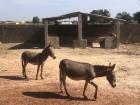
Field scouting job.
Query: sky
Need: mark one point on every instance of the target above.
(25, 10)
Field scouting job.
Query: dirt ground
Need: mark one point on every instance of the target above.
(15, 90)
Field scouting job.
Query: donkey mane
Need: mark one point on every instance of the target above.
(101, 67)
(100, 70)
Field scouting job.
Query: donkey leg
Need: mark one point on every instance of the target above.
(60, 77)
(96, 88)
(25, 70)
(86, 83)
(41, 70)
(23, 67)
(37, 71)
(24, 64)
(64, 84)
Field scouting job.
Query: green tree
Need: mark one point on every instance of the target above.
(36, 19)
(103, 12)
(124, 15)
(136, 17)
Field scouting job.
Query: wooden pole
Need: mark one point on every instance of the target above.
(80, 33)
(117, 31)
(46, 33)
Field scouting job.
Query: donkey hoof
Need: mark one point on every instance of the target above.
(42, 78)
(25, 77)
(85, 97)
(61, 91)
(95, 97)
(68, 95)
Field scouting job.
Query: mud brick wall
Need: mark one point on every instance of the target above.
(22, 33)
(66, 34)
(130, 33)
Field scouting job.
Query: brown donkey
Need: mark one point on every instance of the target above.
(87, 72)
(36, 59)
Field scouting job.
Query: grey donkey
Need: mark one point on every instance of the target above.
(85, 71)
(36, 59)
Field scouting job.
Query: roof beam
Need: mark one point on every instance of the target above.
(75, 14)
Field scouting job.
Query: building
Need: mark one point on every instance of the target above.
(81, 34)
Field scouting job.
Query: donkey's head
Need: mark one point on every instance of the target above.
(49, 51)
(111, 75)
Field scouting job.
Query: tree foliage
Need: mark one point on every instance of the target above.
(124, 15)
(103, 12)
(36, 19)
(136, 16)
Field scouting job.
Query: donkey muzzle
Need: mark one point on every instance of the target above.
(114, 85)
(54, 57)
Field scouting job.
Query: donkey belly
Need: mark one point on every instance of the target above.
(33, 63)
(77, 78)
(76, 70)
(78, 74)
(31, 57)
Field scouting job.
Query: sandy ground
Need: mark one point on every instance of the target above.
(15, 90)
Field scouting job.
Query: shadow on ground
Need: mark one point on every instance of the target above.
(52, 95)
(12, 77)
(26, 46)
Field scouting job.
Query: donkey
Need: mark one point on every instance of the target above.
(85, 71)
(36, 59)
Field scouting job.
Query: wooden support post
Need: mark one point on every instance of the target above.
(80, 31)
(80, 43)
(46, 33)
(84, 25)
(117, 31)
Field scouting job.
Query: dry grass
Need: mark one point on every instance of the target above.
(15, 90)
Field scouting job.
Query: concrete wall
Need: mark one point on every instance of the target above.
(22, 33)
(66, 33)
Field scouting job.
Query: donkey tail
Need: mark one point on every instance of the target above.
(61, 74)
(22, 61)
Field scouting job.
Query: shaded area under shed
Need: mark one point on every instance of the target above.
(80, 32)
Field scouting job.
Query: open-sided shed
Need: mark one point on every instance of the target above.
(82, 23)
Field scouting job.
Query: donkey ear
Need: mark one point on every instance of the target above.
(113, 66)
(110, 64)
(49, 45)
